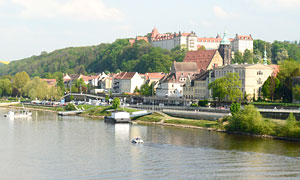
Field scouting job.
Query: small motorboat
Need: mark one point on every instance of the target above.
(18, 114)
(137, 140)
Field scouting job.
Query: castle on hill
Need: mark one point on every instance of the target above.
(192, 42)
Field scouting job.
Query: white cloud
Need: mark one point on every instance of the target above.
(290, 4)
(75, 9)
(2, 2)
(220, 13)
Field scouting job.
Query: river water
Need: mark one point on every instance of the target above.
(77, 148)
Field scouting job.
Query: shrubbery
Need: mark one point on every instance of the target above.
(203, 103)
(70, 107)
(249, 120)
(291, 128)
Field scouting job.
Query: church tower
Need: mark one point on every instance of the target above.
(225, 49)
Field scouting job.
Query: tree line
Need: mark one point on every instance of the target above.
(21, 85)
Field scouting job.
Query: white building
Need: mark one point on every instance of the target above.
(170, 41)
(172, 84)
(192, 43)
(252, 76)
(127, 82)
(241, 43)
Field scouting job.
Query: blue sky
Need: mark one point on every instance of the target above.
(29, 27)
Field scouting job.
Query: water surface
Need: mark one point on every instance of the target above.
(54, 148)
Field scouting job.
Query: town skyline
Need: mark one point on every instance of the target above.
(30, 27)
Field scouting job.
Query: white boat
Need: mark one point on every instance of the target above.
(137, 140)
(18, 114)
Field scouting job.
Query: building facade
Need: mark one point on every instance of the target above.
(172, 84)
(127, 82)
(252, 76)
(192, 42)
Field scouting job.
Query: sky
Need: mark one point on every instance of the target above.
(28, 27)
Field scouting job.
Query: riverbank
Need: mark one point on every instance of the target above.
(159, 118)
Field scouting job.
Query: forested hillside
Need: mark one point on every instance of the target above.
(118, 56)
(141, 57)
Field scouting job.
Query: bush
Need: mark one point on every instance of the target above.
(194, 105)
(235, 108)
(203, 103)
(115, 103)
(249, 120)
(291, 128)
(70, 107)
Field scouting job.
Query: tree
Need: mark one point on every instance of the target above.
(238, 58)
(37, 88)
(106, 98)
(269, 87)
(227, 86)
(296, 92)
(248, 56)
(20, 81)
(235, 108)
(60, 83)
(116, 103)
(5, 87)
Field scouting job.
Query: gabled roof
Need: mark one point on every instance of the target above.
(154, 75)
(243, 37)
(125, 75)
(201, 57)
(185, 66)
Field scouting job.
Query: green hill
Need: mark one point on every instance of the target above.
(117, 56)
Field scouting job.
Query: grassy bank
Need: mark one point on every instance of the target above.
(196, 123)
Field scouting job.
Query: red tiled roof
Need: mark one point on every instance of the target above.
(154, 75)
(142, 38)
(204, 39)
(185, 67)
(125, 75)
(154, 32)
(244, 37)
(201, 57)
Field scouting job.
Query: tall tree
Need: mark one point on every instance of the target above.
(227, 86)
(20, 81)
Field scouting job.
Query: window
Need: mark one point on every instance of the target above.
(259, 81)
(260, 72)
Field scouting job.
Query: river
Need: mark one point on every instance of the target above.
(79, 148)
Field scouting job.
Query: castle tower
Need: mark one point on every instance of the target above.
(225, 49)
(265, 57)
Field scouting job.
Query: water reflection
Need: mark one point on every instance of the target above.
(52, 147)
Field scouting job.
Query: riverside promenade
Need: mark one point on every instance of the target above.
(214, 113)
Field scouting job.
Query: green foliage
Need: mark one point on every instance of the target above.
(5, 87)
(203, 103)
(269, 87)
(291, 127)
(116, 103)
(72, 98)
(70, 107)
(235, 108)
(296, 92)
(227, 86)
(117, 56)
(249, 120)
(194, 105)
(288, 70)
(238, 58)
(248, 56)
(20, 80)
(37, 88)
(106, 98)
(199, 123)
